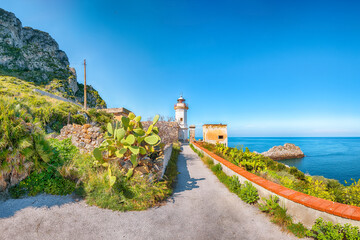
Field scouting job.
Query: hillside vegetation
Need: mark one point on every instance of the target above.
(49, 113)
(24, 118)
(32, 163)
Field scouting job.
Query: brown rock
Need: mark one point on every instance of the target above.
(288, 151)
(142, 169)
(126, 164)
(3, 183)
(146, 162)
(16, 177)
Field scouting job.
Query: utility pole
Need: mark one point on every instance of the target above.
(85, 107)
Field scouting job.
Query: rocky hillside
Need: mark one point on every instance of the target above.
(33, 55)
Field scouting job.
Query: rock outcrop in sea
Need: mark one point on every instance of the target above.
(288, 151)
(33, 55)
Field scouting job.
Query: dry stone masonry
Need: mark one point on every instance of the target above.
(168, 131)
(86, 137)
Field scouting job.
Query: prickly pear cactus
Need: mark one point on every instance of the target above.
(127, 139)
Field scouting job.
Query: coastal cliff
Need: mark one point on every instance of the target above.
(288, 151)
(34, 56)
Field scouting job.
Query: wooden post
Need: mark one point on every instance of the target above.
(85, 106)
(69, 118)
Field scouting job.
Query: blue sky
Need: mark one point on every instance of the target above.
(265, 68)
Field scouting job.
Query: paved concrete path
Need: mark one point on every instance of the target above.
(201, 208)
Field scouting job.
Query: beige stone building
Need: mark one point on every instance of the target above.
(215, 133)
(117, 112)
(192, 132)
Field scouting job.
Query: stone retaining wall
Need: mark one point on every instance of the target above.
(302, 207)
(168, 131)
(86, 137)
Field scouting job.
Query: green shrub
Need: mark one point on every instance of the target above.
(135, 193)
(352, 193)
(99, 116)
(327, 230)
(298, 229)
(297, 173)
(49, 180)
(293, 170)
(208, 161)
(64, 151)
(300, 175)
(319, 189)
(351, 232)
(279, 216)
(208, 146)
(248, 193)
(20, 138)
(234, 184)
(271, 164)
(270, 204)
(216, 168)
(281, 166)
(337, 190)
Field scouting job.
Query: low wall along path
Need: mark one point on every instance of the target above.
(302, 207)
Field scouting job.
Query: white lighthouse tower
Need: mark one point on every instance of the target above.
(181, 117)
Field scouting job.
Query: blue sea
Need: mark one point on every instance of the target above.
(331, 157)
